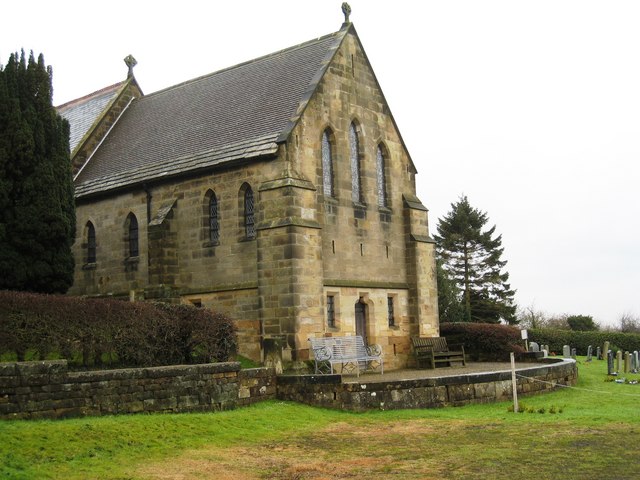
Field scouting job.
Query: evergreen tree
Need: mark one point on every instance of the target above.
(471, 259)
(37, 210)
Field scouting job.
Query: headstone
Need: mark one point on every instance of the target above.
(573, 353)
(627, 362)
(599, 353)
(534, 347)
(566, 351)
(636, 362)
(618, 360)
(546, 347)
(589, 353)
(605, 348)
(609, 362)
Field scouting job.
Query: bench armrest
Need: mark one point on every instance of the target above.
(322, 353)
(374, 350)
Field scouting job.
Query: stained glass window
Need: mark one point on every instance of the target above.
(380, 174)
(91, 243)
(249, 217)
(214, 224)
(133, 236)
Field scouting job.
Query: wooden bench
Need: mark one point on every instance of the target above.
(435, 351)
(350, 352)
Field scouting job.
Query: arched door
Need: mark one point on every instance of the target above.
(361, 320)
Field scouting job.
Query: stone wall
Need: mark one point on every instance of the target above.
(329, 391)
(48, 390)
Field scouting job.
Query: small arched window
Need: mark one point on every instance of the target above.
(381, 176)
(327, 163)
(249, 215)
(214, 221)
(354, 154)
(91, 243)
(132, 236)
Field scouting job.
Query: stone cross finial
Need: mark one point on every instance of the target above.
(130, 62)
(346, 9)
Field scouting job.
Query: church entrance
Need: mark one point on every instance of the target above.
(361, 320)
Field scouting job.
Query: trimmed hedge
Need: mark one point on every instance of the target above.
(484, 341)
(94, 331)
(580, 340)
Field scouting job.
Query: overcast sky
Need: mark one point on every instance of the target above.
(530, 108)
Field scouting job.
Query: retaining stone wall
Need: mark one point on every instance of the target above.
(329, 391)
(47, 390)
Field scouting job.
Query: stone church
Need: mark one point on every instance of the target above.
(278, 191)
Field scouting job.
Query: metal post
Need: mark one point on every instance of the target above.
(513, 382)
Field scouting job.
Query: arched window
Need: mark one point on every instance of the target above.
(327, 163)
(91, 243)
(214, 222)
(132, 236)
(249, 216)
(354, 144)
(381, 176)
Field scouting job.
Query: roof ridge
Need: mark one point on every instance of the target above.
(247, 62)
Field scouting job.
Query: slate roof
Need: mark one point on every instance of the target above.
(82, 113)
(238, 113)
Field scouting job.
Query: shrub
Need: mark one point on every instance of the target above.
(88, 331)
(484, 341)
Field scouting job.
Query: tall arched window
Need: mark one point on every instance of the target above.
(327, 163)
(354, 144)
(381, 176)
(132, 236)
(91, 243)
(249, 216)
(214, 222)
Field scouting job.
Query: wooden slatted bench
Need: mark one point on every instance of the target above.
(435, 351)
(349, 352)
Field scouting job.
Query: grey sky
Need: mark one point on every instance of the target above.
(531, 109)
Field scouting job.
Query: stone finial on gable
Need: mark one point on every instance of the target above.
(130, 62)
(346, 9)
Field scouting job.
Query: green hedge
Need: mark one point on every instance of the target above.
(91, 332)
(484, 341)
(556, 339)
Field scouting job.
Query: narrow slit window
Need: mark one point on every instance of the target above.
(133, 236)
(214, 223)
(327, 164)
(331, 311)
(390, 312)
(354, 144)
(249, 215)
(91, 243)
(382, 181)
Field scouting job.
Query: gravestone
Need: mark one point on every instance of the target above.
(605, 348)
(566, 351)
(573, 353)
(618, 360)
(534, 347)
(609, 362)
(636, 362)
(627, 362)
(589, 353)
(599, 353)
(546, 348)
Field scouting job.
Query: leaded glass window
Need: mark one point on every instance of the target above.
(327, 164)
(390, 314)
(249, 217)
(91, 243)
(133, 236)
(214, 224)
(356, 193)
(331, 311)
(380, 174)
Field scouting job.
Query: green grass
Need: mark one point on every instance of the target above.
(287, 440)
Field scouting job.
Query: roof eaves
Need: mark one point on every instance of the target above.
(249, 150)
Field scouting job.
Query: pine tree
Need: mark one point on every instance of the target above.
(471, 259)
(37, 210)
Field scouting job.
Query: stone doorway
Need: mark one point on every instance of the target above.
(361, 320)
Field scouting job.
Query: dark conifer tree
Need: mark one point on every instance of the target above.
(37, 210)
(471, 258)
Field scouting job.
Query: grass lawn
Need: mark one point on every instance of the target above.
(593, 433)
